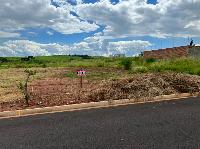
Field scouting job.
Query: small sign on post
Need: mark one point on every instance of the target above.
(81, 72)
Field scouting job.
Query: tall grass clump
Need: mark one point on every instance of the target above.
(126, 63)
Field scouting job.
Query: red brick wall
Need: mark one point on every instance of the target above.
(167, 53)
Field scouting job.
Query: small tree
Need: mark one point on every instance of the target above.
(24, 86)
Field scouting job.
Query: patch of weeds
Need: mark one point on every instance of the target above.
(126, 63)
(70, 75)
(139, 69)
(100, 65)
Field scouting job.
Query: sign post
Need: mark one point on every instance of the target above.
(81, 72)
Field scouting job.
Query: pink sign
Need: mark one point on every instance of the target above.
(81, 72)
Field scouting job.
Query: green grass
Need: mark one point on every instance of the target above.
(61, 61)
(183, 65)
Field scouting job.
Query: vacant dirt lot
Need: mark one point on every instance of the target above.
(51, 86)
(61, 86)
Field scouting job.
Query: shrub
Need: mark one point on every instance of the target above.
(3, 60)
(126, 63)
(151, 60)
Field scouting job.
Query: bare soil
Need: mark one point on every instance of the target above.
(55, 91)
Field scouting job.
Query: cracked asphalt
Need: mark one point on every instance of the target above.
(162, 125)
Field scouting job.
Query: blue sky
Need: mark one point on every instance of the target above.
(96, 27)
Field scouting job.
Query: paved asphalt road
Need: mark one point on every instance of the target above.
(163, 125)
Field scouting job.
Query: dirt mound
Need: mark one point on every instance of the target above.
(142, 86)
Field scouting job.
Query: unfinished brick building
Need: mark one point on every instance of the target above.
(175, 52)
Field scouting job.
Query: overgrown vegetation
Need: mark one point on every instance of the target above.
(182, 65)
(133, 64)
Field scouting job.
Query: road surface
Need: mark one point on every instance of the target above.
(162, 125)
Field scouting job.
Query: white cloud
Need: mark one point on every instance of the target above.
(79, 1)
(8, 34)
(49, 33)
(32, 34)
(19, 14)
(137, 18)
(93, 47)
(26, 47)
(128, 47)
(126, 18)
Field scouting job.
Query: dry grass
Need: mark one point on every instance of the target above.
(10, 79)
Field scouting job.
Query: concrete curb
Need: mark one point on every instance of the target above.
(101, 104)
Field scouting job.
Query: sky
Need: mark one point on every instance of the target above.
(96, 27)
